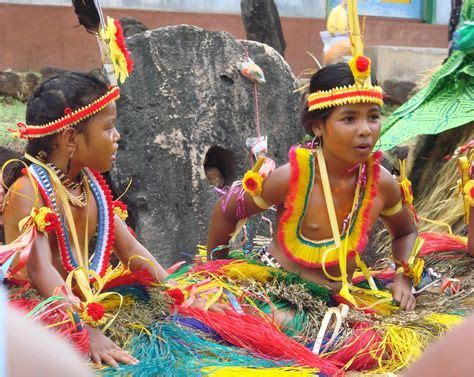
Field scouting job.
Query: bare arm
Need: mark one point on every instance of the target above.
(404, 233)
(19, 202)
(126, 247)
(223, 223)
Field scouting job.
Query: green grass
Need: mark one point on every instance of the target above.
(12, 111)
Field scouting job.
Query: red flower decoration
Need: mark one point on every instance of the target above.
(119, 204)
(362, 63)
(177, 295)
(251, 184)
(52, 221)
(95, 310)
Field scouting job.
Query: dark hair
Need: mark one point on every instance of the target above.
(71, 90)
(329, 77)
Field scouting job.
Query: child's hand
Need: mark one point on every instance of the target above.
(104, 350)
(401, 291)
(217, 307)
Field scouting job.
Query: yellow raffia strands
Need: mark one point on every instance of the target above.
(465, 184)
(79, 278)
(445, 320)
(116, 56)
(260, 372)
(379, 301)
(247, 271)
(345, 95)
(213, 283)
(400, 347)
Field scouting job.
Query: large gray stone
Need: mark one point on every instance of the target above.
(10, 84)
(184, 98)
(262, 23)
(18, 85)
(132, 26)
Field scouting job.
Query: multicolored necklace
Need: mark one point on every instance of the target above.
(80, 200)
(100, 258)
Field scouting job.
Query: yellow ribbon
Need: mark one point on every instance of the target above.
(81, 277)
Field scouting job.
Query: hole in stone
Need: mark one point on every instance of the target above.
(226, 80)
(219, 166)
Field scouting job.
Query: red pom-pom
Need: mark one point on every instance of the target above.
(472, 192)
(23, 171)
(362, 63)
(95, 310)
(177, 295)
(251, 184)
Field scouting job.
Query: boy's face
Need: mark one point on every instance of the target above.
(351, 132)
(98, 144)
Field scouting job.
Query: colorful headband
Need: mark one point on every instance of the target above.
(345, 95)
(72, 118)
(362, 91)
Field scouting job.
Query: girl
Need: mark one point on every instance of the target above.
(330, 193)
(71, 139)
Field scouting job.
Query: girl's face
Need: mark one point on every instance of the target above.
(97, 145)
(350, 132)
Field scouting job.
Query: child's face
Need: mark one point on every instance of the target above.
(351, 131)
(97, 145)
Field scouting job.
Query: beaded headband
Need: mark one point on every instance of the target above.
(362, 91)
(71, 118)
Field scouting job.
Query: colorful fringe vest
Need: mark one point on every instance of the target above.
(311, 253)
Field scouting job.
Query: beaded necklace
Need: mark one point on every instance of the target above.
(99, 261)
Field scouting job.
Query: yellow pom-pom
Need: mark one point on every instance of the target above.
(252, 183)
(44, 218)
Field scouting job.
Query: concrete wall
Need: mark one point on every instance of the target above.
(27, 45)
(288, 8)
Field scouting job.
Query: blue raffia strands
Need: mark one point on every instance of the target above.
(173, 350)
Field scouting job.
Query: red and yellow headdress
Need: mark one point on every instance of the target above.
(69, 119)
(362, 91)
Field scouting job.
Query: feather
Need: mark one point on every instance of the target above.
(88, 14)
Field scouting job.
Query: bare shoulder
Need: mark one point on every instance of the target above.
(23, 193)
(19, 200)
(275, 187)
(389, 188)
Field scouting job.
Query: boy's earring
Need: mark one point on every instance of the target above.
(69, 163)
(42, 156)
(316, 142)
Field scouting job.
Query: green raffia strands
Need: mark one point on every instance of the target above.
(38, 308)
(445, 103)
(173, 350)
(180, 272)
(314, 289)
(288, 277)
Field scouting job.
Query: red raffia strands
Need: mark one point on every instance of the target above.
(142, 277)
(214, 266)
(358, 352)
(441, 242)
(67, 331)
(260, 337)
